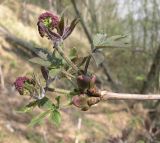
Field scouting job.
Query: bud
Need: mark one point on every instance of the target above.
(93, 100)
(79, 101)
(85, 81)
(20, 84)
(92, 81)
(93, 92)
(85, 107)
(49, 19)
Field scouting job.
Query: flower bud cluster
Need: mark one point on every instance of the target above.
(21, 84)
(88, 92)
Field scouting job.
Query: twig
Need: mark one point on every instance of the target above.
(58, 90)
(59, 50)
(106, 95)
(83, 23)
(2, 78)
(124, 96)
(78, 127)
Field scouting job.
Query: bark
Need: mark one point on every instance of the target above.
(153, 73)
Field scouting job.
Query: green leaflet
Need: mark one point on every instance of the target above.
(39, 118)
(54, 72)
(55, 117)
(45, 103)
(102, 41)
(29, 107)
(73, 53)
(39, 61)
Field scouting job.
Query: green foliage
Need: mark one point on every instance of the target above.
(102, 41)
(28, 108)
(38, 119)
(55, 117)
(41, 62)
(73, 53)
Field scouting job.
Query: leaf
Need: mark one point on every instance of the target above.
(73, 53)
(44, 72)
(68, 30)
(29, 107)
(98, 39)
(39, 118)
(58, 101)
(61, 25)
(98, 57)
(45, 103)
(118, 41)
(140, 78)
(42, 53)
(40, 61)
(54, 72)
(55, 117)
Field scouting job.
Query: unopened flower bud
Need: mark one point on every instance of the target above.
(93, 100)
(92, 81)
(49, 19)
(93, 92)
(20, 83)
(79, 100)
(85, 107)
(83, 81)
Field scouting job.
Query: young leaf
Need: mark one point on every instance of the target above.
(44, 72)
(118, 41)
(54, 72)
(55, 117)
(98, 57)
(58, 101)
(68, 30)
(39, 118)
(40, 61)
(61, 25)
(29, 107)
(45, 103)
(73, 53)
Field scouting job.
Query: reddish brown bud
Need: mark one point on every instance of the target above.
(79, 101)
(85, 108)
(83, 81)
(93, 100)
(20, 83)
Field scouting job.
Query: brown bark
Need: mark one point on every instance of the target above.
(153, 73)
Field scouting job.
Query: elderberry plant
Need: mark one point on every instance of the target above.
(57, 65)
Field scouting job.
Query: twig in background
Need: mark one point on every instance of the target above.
(78, 129)
(2, 78)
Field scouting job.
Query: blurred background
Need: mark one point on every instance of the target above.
(135, 69)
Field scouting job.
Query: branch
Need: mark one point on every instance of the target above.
(106, 71)
(124, 96)
(60, 51)
(83, 23)
(106, 95)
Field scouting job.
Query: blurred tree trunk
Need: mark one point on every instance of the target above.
(145, 23)
(153, 73)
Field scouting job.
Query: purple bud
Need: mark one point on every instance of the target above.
(53, 19)
(83, 81)
(19, 84)
(79, 100)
